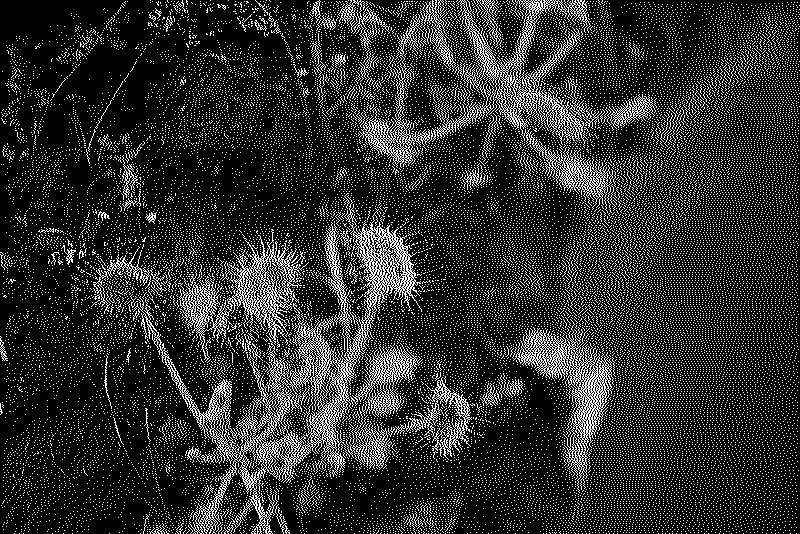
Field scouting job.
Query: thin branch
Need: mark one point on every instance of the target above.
(524, 42)
(78, 127)
(52, 451)
(114, 420)
(150, 458)
(111, 404)
(282, 521)
(545, 69)
(77, 64)
(480, 46)
(113, 97)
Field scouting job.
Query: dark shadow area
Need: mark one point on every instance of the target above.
(695, 295)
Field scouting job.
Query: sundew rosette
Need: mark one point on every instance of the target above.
(445, 422)
(265, 284)
(125, 293)
(387, 265)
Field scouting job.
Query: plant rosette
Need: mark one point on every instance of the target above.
(125, 294)
(387, 266)
(246, 447)
(265, 285)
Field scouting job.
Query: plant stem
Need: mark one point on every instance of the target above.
(404, 80)
(282, 521)
(223, 489)
(155, 338)
(337, 279)
(259, 506)
(480, 47)
(545, 69)
(411, 426)
(421, 139)
(114, 419)
(77, 64)
(327, 420)
(249, 348)
(363, 335)
(524, 41)
(237, 521)
(271, 510)
(329, 323)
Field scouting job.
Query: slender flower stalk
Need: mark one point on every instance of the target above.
(216, 503)
(126, 293)
(332, 258)
(240, 517)
(155, 338)
(356, 348)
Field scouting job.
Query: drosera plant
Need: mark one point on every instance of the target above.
(387, 264)
(266, 283)
(446, 422)
(326, 388)
(504, 73)
(311, 413)
(126, 294)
